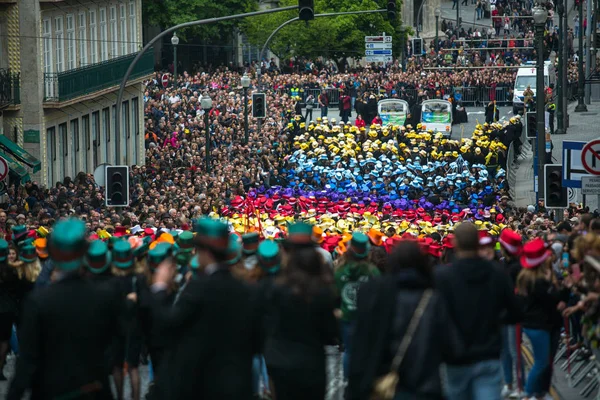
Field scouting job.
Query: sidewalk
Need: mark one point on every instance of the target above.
(583, 127)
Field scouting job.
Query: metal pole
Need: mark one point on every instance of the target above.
(207, 129)
(560, 129)
(171, 30)
(581, 107)
(457, 15)
(588, 53)
(437, 31)
(539, 107)
(565, 57)
(175, 64)
(245, 115)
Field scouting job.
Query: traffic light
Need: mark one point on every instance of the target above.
(391, 10)
(531, 125)
(555, 195)
(306, 10)
(259, 105)
(116, 190)
(417, 45)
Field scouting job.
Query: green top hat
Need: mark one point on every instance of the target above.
(3, 250)
(212, 234)
(186, 241)
(28, 254)
(234, 251)
(67, 244)
(300, 234)
(18, 232)
(174, 233)
(141, 251)
(158, 254)
(122, 254)
(250, 243)
(112, 240)
(98, 258)
(269, 257)
(359, 245)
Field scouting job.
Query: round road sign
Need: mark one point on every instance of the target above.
(165, 80)
(590, 157)
(3, 169)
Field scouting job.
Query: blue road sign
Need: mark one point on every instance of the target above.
(573, 168)
(378, 52)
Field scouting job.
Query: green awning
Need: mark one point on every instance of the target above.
(20, 154)
(16, 168)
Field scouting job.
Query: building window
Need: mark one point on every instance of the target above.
(47, 37)
(85, 136)
(74, 143)
(82, 24)
(93, 38)
(64, 153)
(51, 153)
(106, 132)
(114, 35)
(60, 44)
(132, 27)
(94, 139)
(103, 36)
(70, 41)
(135, 114)
(123, 12)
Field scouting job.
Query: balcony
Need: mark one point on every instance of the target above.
(65, 86)
(10, 89)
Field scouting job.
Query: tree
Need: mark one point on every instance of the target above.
(335, 37)
(167, 13)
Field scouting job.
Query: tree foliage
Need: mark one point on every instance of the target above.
(334, 37)
(167, 13)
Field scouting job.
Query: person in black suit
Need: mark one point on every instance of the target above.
(385, 307)
(214, 326)
(300, 319)
(66, 328)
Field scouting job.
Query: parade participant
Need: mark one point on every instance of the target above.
(543, 303)
(192, 367)
(300, 322)
(392, 304)
(476, 373)
(351, 272)
(98, 260)
(8, 304)
(54, 363)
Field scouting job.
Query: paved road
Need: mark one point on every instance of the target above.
(476, 115)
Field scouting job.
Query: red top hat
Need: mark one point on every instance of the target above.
(292, 200)
(511, 241)
(120, 231)
(435, 250)
(534, 253)
(499, 218)
(485, 239)
(447, 242)
(237, 200)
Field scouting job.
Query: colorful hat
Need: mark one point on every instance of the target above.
(67, 244)
(234, 250)
(185, 240)
(19, 232)
(212, 234)
(141, 251)
(269, 257)
(359, 245)
(485, 239)
(98, 258)
(300, 234)
(27, 253)
(41, 246)
(375, 236)
(120, 231)
(250, 243)
(511, 241)
(534, 253)
(42, 231)
(158, 254)
(318, 234)
(3, 250)
(122, 254)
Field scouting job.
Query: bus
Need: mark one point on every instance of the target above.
(436, 115)
(393, 111)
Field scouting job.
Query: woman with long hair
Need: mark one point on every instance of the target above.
(387, 307)
(542, 302)
(301, 321)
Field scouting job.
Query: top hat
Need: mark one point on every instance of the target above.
(3, 250)
(300, 234)
(41, 246)
(212, 234)
(27, 253)
(67, 244)
(359, 245)
(485, 239)
(98, 258)
(375, 236)
(158, 254)
(234, 250)
(120, 231)
(269, 257)
(122, 254)
(534, 253)
(511, 241)
(185, 240)
(250, 243)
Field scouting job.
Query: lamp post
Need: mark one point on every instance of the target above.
(540, 15)
(175, 42)
(206, 103)
(403, 44)
(581, 107)
(560, 130)
(245, 85)
(437, 13)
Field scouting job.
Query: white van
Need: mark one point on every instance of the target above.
(526, 76)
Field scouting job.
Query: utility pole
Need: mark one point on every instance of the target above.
(560, 111)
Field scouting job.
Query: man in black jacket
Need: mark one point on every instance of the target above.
(66, 328)
(215, 325)
(479, 297)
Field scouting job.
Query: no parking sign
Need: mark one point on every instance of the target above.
(590, 157)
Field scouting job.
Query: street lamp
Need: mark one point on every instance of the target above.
(560, 130)
(175, 42)
(245, 85)
(403, 44)
(437, 13)
(581, 107)
(206, 103)
(540, 15)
